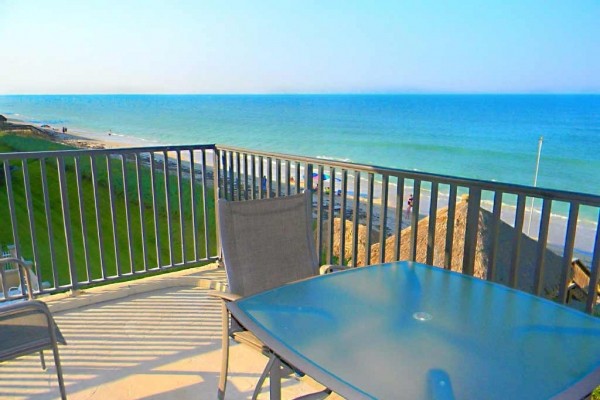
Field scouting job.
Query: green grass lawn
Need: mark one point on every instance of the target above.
(100, 260)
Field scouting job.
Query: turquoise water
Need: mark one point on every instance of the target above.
(491, 137)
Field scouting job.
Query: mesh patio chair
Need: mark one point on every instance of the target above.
(28, 327)
(265, 244)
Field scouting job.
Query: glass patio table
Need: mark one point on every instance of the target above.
(408, 330)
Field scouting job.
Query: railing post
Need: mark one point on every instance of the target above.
(217, 194)
(64, 199)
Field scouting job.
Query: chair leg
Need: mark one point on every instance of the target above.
(42, 360)
(59, 374)
(263, 376)
(224, 351)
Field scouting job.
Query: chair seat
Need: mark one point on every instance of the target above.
(20, 340)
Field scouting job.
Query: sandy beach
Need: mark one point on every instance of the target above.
(585, 236)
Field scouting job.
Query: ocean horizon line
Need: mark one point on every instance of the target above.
(341, 93)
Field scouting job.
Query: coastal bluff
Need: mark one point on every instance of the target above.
(483, 267)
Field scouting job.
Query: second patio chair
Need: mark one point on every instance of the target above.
(27, 327)
(265, 244)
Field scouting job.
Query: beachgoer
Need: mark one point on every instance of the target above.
(409, 204)
(264, 183)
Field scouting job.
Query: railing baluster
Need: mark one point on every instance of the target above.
(181, 209)
(297, 171)
(98, 217)
(167, 182)
(216, 196)
(262, 177)
(127, 211)
(383, 218)
(518, 233)
(331, 216)
(155, 210)
(448, 248)
(541, 245)
(414, 219)
(288, 186)
(320, 214)
(138, 170)
(355, 220)
(32, 230)
(342, 216)
(113, 214)
(568, 250)
(269, 177)
(471, 230)
(205, 204)
(398, 217)
(82, 219)
(231, 175)
(253, 189)
(48, 215)
(308, 181)
(433, 200)
(194, 200)
(370, 185)
(224, 169)
(278, 177)
(64, 200)
(238, 176)
(495, 229)
(246, 176)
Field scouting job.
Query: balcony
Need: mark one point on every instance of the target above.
(155, 338)
(94, 222)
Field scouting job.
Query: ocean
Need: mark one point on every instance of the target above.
(489, 137)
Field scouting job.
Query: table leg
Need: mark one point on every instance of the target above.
(275, 379)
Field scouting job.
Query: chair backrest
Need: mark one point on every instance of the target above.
(267, 243)
(25, 328)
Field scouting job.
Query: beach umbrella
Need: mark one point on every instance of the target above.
(316, 176)
(326, 177)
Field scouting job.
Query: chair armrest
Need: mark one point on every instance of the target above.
(225, 296)
(329, 268)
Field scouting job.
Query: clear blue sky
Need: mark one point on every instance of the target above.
(303, 46)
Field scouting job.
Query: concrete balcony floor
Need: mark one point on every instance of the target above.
(156, 338)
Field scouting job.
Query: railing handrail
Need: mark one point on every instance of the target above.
(36, 155)
(540, 192)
